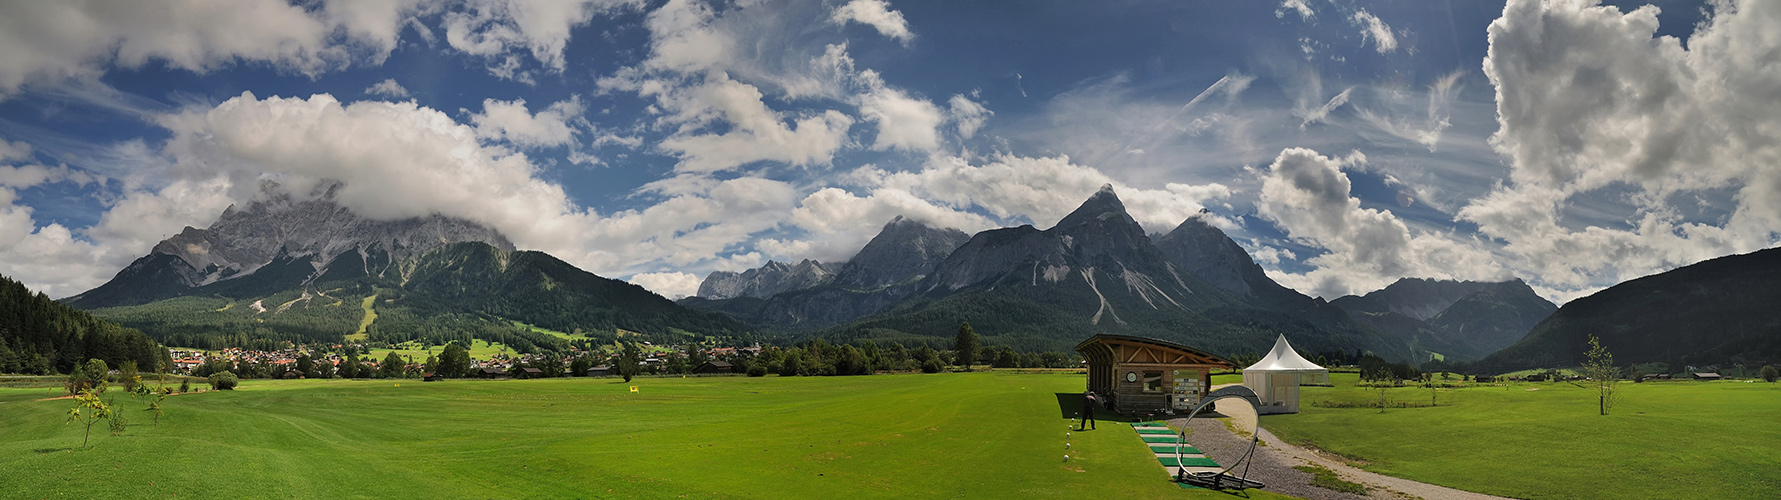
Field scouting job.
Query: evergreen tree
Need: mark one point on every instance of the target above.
(965, 346)
(455, 361)
(392, 366)
(349, 368)
(628, 362)
(305, 365)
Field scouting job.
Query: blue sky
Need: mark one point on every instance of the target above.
(1346, 144)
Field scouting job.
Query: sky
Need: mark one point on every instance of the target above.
(1570, 143)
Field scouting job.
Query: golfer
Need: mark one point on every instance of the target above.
(1088, 410)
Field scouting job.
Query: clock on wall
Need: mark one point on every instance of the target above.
(1131, 376)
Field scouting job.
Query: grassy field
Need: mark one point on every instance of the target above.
(975, 435)
(479, 349)
(370, 317)
(1546, 440)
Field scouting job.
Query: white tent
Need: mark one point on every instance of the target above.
(1276, 378)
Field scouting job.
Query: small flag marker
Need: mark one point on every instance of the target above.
(633, 388)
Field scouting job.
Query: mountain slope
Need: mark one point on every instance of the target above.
(1716, 311)
(1205, 251)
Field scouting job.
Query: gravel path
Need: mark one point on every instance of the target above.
(1274, 461)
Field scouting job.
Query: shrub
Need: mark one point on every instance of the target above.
(223, 381)
(932, 366)
(757, 371)
(1770, 374)
(185, 386)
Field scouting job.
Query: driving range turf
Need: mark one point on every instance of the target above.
(956, 435)
(1663, 439)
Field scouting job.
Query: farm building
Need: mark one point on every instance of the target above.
(1142, 375)
(1707, 376)
(432, 377)
(1276, 378)
(529, 373)
(493, 372)
(600, 371)
(715, 367)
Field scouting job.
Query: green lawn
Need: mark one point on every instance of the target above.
(965, 435)
(1664, 440)
(479, 349)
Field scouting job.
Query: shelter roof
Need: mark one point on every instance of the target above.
(1187, 355)
(1283, 359)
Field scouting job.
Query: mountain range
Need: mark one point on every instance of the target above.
(1451, 320)
(287, 268)
(1094, 271)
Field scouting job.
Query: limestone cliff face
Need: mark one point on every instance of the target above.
(766, 281)
(281, 231)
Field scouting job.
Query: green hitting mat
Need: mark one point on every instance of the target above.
(1170, 439)
(1150, 431)
(1172, 449)
(1187, 462)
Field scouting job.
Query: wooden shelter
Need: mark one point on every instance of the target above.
(600, 371)
(1138, 375)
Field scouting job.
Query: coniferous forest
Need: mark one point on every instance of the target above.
(42, 336)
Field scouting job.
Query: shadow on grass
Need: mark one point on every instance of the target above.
(53, 450)
(1069, 404)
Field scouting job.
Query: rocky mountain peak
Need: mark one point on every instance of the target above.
(1103, 206)
(770, 279)
(280, 227)
(905, 251)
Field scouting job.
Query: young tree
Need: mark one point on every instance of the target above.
(88, 410)
(154, 406)
(432, 364)
(129, 376)
(1600, 368)
(965, 345)
(1380, 379)
(1770, 374)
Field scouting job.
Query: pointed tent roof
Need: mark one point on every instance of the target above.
(1283, 359)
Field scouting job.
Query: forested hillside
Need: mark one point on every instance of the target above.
(42, 336)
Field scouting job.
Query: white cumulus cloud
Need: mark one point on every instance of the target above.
(1590, 100)
(387, 88)
(1309, 197)
(673, 285)
(510, 121)
(878, 15)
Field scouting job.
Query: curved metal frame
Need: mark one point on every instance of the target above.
(1218, 480)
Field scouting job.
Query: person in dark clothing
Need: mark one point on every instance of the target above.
(1088, 410)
